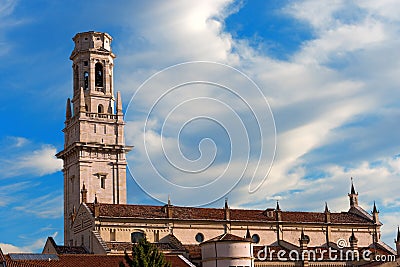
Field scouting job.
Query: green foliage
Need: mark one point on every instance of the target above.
(145, 254)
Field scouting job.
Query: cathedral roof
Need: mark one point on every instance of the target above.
(216, 214)
(88, 260)
(65, 249)
(227, 237)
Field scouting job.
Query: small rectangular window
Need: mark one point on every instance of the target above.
(105, 129)
(94, 128)
(103, 181)
(112, 235)
(85, 63)
(156, 236)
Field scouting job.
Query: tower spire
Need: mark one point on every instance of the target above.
(248, 235)
(84, 193)
(278, 212)
(82, 101)
(397, 242)
(352, 191)
(353, 196)
(326, 207)
(277, 205)
(375, 214)
(68, 113)
(353, 241)
(327, 213)
(374, 209)
(119, 103)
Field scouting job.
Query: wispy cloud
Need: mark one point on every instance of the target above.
(47, 206)
(335, 98)
(36, 246)
(10, 193)
(6, 23)
(20, 157)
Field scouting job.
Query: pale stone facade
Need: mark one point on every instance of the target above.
(95, 212)
(227, 251)
(94, 149)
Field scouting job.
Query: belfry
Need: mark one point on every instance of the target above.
(94, 148)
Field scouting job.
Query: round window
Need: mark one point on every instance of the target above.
(199, 237)
(256, 238)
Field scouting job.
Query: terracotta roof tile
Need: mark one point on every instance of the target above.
(71, 250)
(194, 251)
(190, 213)
(119, 246)
(176, 261)
(70, 260)
(226, 237)
(88, 260)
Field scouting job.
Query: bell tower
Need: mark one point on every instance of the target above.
(94, 147)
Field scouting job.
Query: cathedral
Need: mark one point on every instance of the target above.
(98, 220)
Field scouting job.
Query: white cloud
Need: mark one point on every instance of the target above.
(26, 160)
(46, 206)
(7, 23)
(8, 248)
(34, 247)
(41, 161)
(9, 193)
(346, 72)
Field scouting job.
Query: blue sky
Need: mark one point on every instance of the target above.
(330, 72)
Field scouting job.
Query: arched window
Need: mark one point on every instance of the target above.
(86, 80)
(100, 108)
(136, 237)
(98, 75)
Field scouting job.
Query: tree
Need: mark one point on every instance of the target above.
(145, 254)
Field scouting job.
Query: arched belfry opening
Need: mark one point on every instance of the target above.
(99, 75)
(100, 109)
(86, 80)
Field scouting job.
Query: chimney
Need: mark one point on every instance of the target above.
(169, 209)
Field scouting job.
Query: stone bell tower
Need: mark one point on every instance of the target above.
(94, 147)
